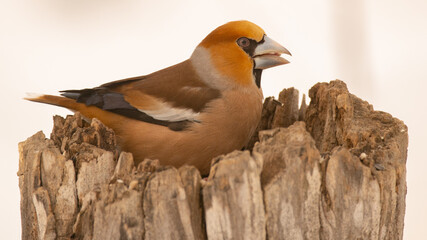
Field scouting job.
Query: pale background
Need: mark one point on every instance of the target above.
(377, 47)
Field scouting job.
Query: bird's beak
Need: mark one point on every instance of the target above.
(267, 54)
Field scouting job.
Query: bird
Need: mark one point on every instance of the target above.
(191, 112)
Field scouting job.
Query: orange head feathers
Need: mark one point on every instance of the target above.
(238, 50)
(231, 31)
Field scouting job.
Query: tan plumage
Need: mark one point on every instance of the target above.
(191, 112)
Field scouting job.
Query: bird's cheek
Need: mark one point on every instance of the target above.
(235, 65)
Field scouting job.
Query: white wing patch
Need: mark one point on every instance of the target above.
(168, 113)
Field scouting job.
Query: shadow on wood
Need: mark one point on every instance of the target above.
(334, 169)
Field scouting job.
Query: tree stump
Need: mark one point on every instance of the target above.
(334, 169)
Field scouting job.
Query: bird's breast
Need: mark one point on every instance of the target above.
(232, 118)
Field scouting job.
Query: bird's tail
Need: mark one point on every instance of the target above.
(54, 100)
(108, 118)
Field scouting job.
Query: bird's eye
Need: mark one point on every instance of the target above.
(243, 42)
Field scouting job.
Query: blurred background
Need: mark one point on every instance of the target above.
(377, 47)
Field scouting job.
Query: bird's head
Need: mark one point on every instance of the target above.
(236, 53)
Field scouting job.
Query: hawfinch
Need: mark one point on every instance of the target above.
(190, 112)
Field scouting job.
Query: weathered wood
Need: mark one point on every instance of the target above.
(280, 113)
(232, 197)
(118, 213)
(47, 183)
(287, 113)
(337, 118)
(351, 204)
(291, 181)
(334, 169)
(191, 182)
(166, 207)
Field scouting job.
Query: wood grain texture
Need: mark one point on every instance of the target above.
(338, 119)
(291, 160)
(232, 197)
